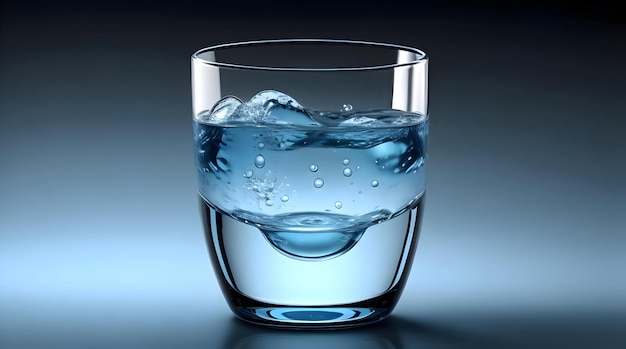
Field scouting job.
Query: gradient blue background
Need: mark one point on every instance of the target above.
(524, 235)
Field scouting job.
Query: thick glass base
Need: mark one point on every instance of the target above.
(319, 317)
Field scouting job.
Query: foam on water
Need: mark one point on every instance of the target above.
(271, 107)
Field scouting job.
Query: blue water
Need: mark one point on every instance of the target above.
(311, 181)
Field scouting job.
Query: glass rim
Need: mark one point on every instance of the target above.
(421, 56)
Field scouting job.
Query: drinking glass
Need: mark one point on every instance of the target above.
(311, 165)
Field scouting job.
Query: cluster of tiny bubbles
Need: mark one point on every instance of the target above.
(259, 161)
(263, 188)
(318, 183)
(346, 107)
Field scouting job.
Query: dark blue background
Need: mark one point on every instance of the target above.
(524, 234)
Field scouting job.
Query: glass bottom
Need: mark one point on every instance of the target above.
(319, 317)
(266, 287)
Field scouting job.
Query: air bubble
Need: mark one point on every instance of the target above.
(347, 172)
(346, 162)
(338, 204)
(318, 182)
(269, 202)
(259, 161)
(261, 145)
(284, 198)
(346, 107)
(247, 173)
(374, 183)
(313, 168)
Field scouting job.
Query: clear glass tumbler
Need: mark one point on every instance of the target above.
(311, 165)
